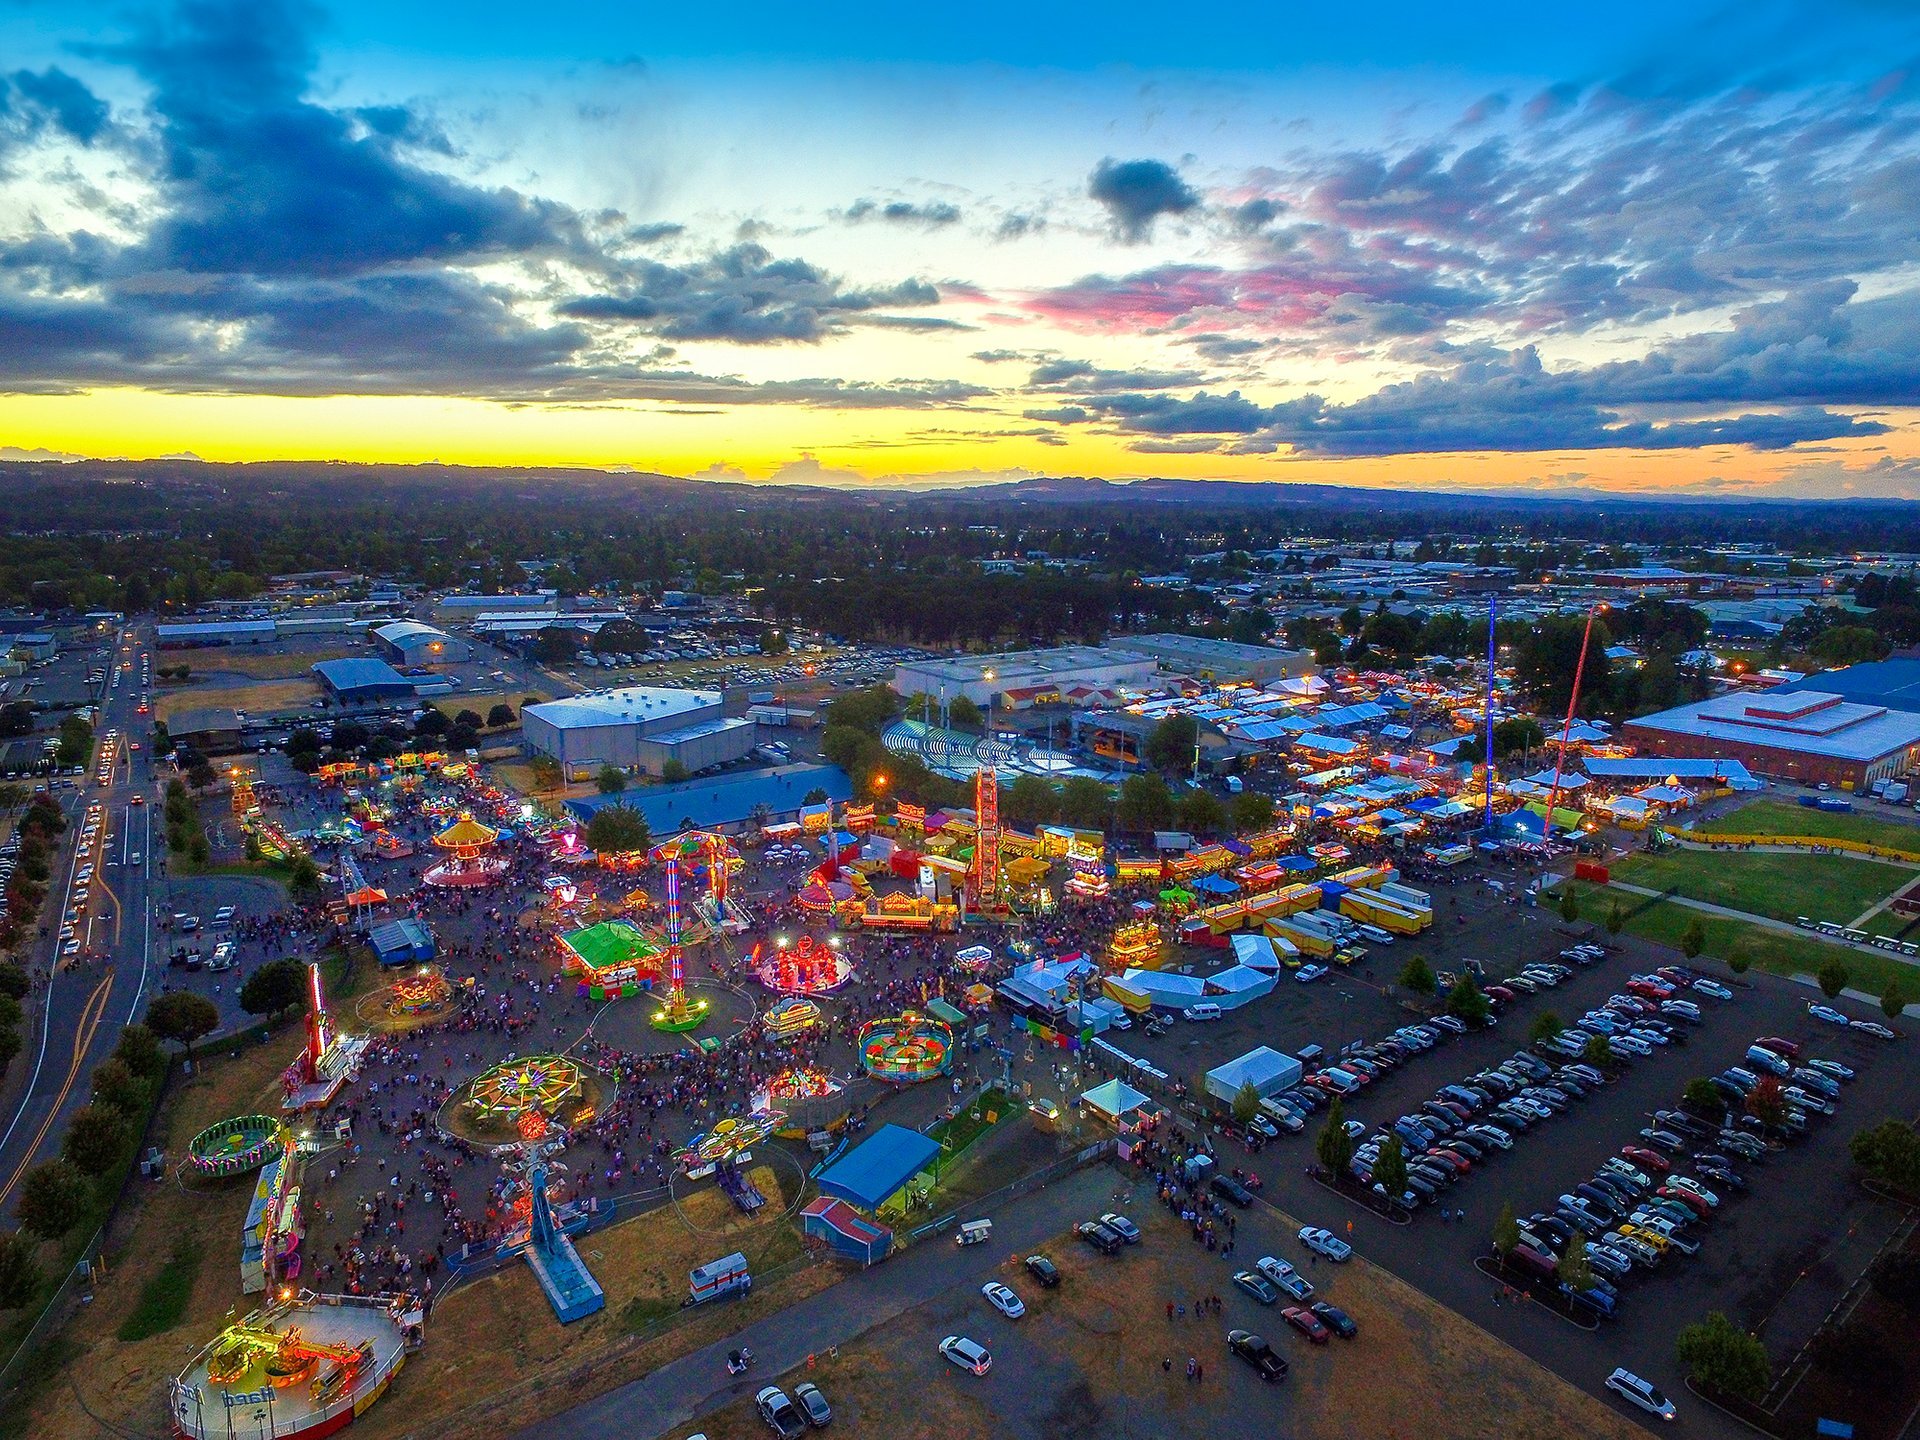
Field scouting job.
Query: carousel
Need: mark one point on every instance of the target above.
(806, 967)
(468, 863)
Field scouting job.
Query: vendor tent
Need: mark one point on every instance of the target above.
(878, 1168)
(1237, 984)
(1165, 988)
(1113, 1100)
(1266, 1069)
(1255, 952)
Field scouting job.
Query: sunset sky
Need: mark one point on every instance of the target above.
(1651, 246)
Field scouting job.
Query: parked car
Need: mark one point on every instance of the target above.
(1631, 1388)
(1228, 1188)
(1284, 1276)
(1307, 1323)
(1325, 1242)
(779, 1412)
(967, 1354)
(1003, 1299)
(813, 1404)
(1043, 1270)
(1267, 1363)
(1256, 1286)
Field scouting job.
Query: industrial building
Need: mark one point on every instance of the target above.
(409, 642)
(33, 645)
(195, 634)
(363, 682)
(637, 728)
(1221, 660)
(727, 802)
(1033, 676)
(465, 607)
(1812, 736)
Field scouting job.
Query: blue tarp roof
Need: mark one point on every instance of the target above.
(399, 941)
(1297, 862)
(878, 1167)
(1654, 767)
(723, 800)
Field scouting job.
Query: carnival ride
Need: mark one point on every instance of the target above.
(468, 865)
(540, 1233)
(514, 1088)
(238, 1145)
(986, 884)
(905, 1049)
(613, 958)
(326, 1062)
(806, 1098)
(684, 856)
(1136, 945)
(720, 1151)
(791, 1018)
(303, 1367)
(807, 967)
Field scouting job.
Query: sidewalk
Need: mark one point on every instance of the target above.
(685, 1389)
(1764, 922)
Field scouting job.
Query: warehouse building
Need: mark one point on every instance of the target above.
(1811, 736)
(363, 682)
(638, 728)
(1220, 660)
(408, 642)
(1040, 676)
(195, 634)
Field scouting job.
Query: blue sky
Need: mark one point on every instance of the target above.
(1635, 247)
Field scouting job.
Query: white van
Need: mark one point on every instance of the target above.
(1205, 1010)
(1376, 935)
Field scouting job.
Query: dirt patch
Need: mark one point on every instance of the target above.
(262, 699)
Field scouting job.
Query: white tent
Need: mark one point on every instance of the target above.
(1166, 988)
(1237, 984)
(1256, 951)
(1266, 1069)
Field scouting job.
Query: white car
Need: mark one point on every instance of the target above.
(1285, 1277)
(1325, 1242)
(1872, 1027)
(1307, 974)
(1630, 1387)
(1828, 1014)
(967, 1354)
(1713, 988)
(1003, 1299)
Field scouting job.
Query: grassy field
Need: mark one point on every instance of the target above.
(1777, 817)
(1776, 951)
(284, 666)
(265, 698)
(1417, 1367)
(480, 703)
(1779, 884)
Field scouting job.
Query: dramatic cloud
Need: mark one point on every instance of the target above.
(34, 103)
(1082, 377)
(1135, 193)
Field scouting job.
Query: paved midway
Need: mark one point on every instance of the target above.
(685, 1389)
(81, 1010)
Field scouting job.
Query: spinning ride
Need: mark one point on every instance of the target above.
(808, 1097)
(791, 1018)
(468, 865)
(418, 994)
(327, 1060)
(906, 1049)
(805, 968)
(238, 1145)
(514, 1087)
(678, 1014)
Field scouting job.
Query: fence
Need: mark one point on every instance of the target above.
(79, 1276)
(1715, 839)
(1025, 1185)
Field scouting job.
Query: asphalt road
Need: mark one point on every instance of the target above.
(84, 1006)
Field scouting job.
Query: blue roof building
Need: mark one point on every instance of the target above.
(879, 1167)
(353, 682)
(725, 801)
(1894, 684)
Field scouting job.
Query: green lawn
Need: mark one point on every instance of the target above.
(1774, 951)
(1778, 884)
(1777, 817)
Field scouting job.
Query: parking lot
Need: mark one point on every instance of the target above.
(1778, 1257)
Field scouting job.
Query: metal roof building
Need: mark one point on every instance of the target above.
(637, 728)
(355, 682)
(879, 1167)
(1811, 736)
(409, 642)
(1209, 659)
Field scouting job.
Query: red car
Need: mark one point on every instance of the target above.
(1651, 989)
(1307, 1323)
(1651, 1161)
(1501, 994)
(1778, 1046)
(1687, 1198)
(1452, 1159)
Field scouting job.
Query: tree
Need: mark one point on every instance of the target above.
(182, 1017)
(1573, 1270)
(1170, 744)
(1246, 1102)
(1506, 1231)
(1738, 960)
(1549, 654)
(1145, 803)
(1466, 1001)
(1031, 800)
(53, 1195)
(611, 780)
(1569, 904)
(1597, 1051)
(430, 723)
(1390, 1167)
(1849, 645)
(1417, 975)
(546, 771)
(618, 830)
(117, 1087)
(1893, 1000)
(200, 774)
(19, 1274)
(139, 1049)
(965, 714)
(469, 718)
(1890, 1153)
(94, 1138)
(1516, 736)
(1693, 939)
(1833, 977)
(500, 716)
(815, 796)
(303, 879)
(1896, 1276)
(673, 772)
(1085, 803)
(1250, 811)
(1719, 1353)
(1546, 1025)
(1701, 1098)
(1333, 1145)
(1201, 812)
(276, 986)
(1766, 1102)
(13, 980)
(1616, 918)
